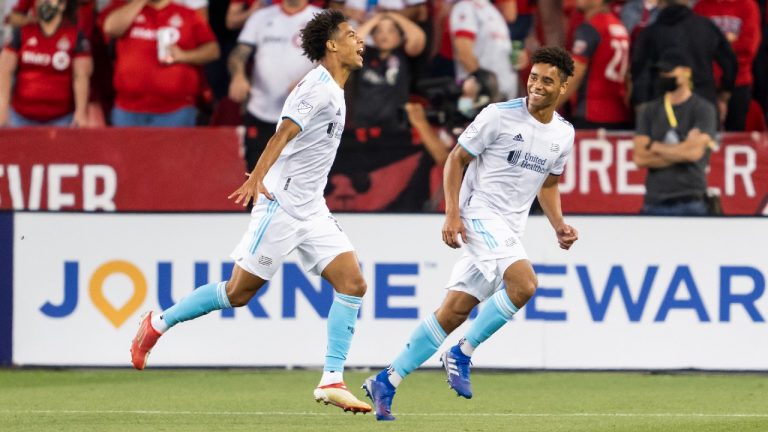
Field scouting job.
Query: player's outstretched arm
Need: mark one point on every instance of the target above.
(453, 173)
(549, 198)
(250, 190)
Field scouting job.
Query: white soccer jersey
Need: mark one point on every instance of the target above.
(298, 177)
(279, 62)
(479, 20)
(514, 154)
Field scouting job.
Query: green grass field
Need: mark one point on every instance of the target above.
(268, 400)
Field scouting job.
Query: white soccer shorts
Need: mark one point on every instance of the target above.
(273, 234)
(491, 248)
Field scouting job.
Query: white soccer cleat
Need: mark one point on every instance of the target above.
(337, 394)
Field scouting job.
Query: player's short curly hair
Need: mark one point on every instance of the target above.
(318, 31)
(557, 57)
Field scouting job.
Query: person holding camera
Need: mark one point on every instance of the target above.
(673, 139)
(477, 91)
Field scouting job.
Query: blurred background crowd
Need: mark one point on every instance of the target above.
(430, 66)
(179, 62)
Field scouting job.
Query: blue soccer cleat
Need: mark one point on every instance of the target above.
(457, 365)
(380, 391)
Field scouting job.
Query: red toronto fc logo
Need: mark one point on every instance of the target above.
(60, 60)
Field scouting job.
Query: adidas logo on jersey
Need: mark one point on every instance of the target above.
(518, 137)
(338, 113)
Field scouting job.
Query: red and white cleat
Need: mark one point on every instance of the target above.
(145, 339)
(338, 395)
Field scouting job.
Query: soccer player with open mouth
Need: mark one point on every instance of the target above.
(290, 213)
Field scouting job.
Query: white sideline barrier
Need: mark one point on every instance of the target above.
(696, 288)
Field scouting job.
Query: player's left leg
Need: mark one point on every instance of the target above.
(235, 292)
(423, 344)
(343, 273)
(520, 285)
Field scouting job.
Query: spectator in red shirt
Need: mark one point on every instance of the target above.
(739, 20)
(601, 55)
(160, 47)
(52, 65)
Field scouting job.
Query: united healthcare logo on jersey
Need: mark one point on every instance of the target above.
(514, 157)
(528, 161)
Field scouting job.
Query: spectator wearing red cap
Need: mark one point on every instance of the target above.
(739, 20)
(52, 65)
(159, 46)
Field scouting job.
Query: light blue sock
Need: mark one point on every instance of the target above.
(496, 312)
(202, 300)
(425, 341)
(341, 326)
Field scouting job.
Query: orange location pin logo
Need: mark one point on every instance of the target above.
(117, 316)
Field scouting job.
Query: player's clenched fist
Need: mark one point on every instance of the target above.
(452, 229)
(566, 236)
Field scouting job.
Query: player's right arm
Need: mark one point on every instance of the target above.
(250, 190)
(472, 142)
(453, 172)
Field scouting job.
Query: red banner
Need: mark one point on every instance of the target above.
(119, 169)
(600, 177)
(195, 170)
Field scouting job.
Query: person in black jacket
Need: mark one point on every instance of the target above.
(677, 26)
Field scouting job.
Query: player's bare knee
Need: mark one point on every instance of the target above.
(355, 286)
(521, 290)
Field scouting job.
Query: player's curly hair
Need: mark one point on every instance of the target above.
(318, 31)
(557, 57)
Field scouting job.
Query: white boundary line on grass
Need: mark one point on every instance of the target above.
(406, 414)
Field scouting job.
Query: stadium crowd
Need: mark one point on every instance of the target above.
(430, 67)
(165, 62)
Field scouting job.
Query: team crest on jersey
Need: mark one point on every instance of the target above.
(554, 147)
(32, 41)
(304, 107)
(140, 19)
(514, 157)
(60, 60)
(175, 21)
(63, 44)
(471, 132)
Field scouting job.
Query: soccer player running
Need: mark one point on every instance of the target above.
(289, 211)
(514, 150)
